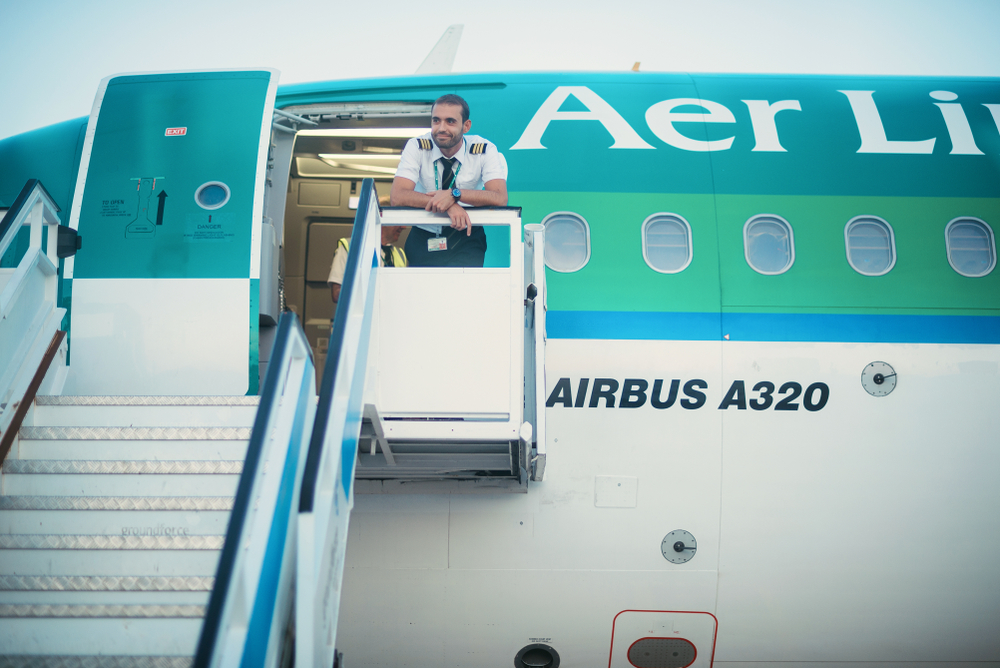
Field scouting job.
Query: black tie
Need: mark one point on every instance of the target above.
(446, 177)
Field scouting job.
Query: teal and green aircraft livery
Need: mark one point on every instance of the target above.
(716, 151)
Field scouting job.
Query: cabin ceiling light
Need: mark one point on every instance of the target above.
(359, 168)
(358, 156)
(380, 133)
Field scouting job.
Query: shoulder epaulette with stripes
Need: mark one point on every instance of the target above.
(424, 143)
(478, 149)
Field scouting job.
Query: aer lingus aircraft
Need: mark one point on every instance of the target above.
(727, 391)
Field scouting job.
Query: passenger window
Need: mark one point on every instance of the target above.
(666, 243)
(768, 244)
(972, 248)
(871, 246)
(567, 241)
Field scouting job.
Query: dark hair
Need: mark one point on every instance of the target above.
(457, 100)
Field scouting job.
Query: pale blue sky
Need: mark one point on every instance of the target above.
(53, 53)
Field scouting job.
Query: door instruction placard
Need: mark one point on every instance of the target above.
(209, 228)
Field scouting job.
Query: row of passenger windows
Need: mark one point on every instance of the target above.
(769, 244)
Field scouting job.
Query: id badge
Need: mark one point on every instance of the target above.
(437, 244)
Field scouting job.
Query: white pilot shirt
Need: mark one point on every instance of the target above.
(417, 165)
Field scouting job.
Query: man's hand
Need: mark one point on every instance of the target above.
(460, 218)
(441, 201)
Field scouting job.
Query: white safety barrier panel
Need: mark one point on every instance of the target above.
(447, 342)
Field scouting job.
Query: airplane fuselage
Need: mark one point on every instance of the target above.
(773, 333)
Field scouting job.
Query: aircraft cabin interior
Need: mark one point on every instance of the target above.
(348, 143)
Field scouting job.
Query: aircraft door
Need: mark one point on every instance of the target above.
(169, 202)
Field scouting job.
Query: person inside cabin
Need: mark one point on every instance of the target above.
(445, 171)
(391, 256)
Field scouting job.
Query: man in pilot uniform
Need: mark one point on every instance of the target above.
(445, 171)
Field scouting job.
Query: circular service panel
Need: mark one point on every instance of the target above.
(678, 546)
(537, 655)
(212, 195)
(878, 379)
(662, 653)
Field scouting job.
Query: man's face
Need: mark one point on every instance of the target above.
(390, 234)
(447, 127)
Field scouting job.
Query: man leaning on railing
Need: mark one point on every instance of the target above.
(444, 171)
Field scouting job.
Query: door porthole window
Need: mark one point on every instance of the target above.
(212, 195)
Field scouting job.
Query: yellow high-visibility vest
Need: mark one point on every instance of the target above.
(398, 256)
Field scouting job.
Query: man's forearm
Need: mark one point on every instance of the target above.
(400, 197)
(484, 198)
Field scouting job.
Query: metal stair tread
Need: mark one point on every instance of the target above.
(129, 466)
(145, 400)
(29, 610)
(116, 503)
(135, 433)
(113, 563)
(109, 542)
(103, 661)
(129, 450)
(99, 583)
(120, 522)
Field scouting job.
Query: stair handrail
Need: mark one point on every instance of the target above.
(19, 412)
(29, 316)
(250, 606)
(32, 193)
(327, 487)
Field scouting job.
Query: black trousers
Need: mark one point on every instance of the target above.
(463, 251)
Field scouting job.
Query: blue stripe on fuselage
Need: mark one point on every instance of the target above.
(812, 327)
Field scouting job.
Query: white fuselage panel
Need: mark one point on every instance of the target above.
(159, 336)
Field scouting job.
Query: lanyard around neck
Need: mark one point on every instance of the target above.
(454, 176)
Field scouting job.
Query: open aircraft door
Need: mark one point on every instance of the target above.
(169, 203)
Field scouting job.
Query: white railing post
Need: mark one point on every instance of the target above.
(51, 221)
(534, 242)
(35, 223)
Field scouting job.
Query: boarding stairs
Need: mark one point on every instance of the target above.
(211, 531)
(115, 512)
(139, 530)
(156, 531)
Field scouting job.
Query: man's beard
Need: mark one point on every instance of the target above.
(454, 142)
